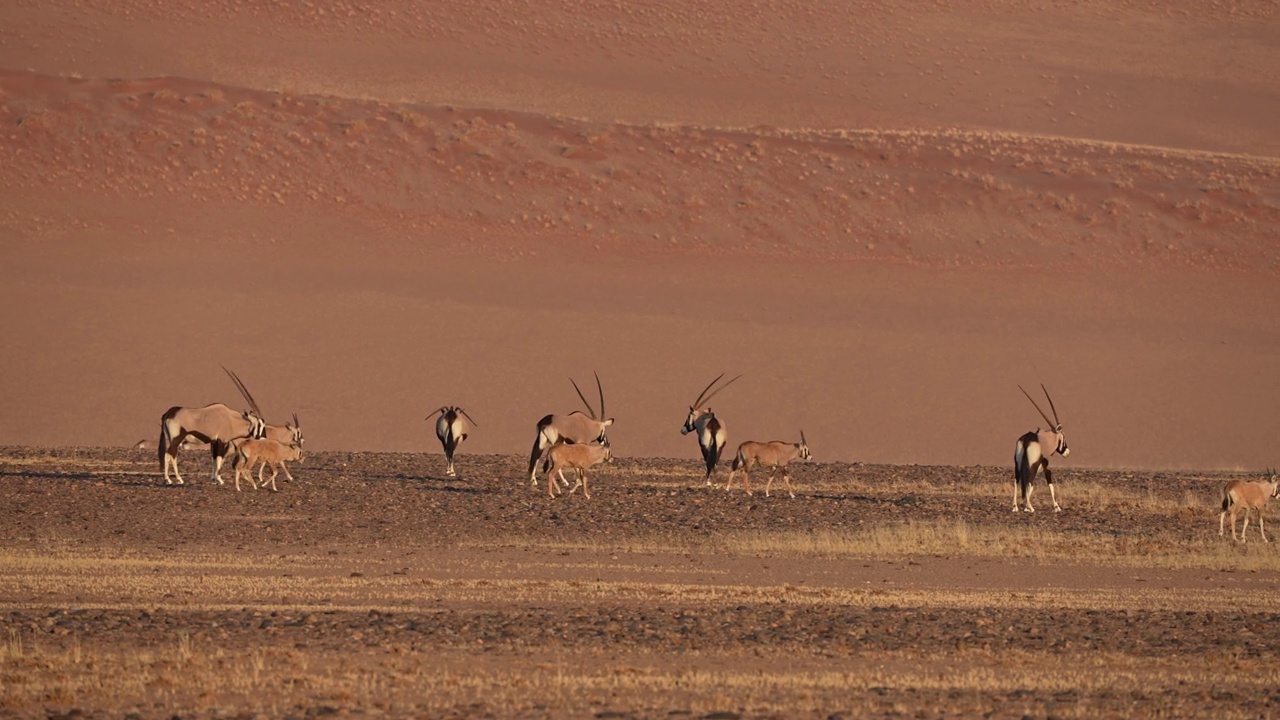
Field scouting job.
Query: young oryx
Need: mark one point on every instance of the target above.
(1032, 452)
(578, 457)
(575, 427)
(452, 427)
(216, 424)
(774, 455)
(250, 452)
(1247, 495)
(711, 433)
(287, 433)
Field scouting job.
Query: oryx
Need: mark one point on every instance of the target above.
(1243, 496)
(711, 433)
(287, 433)
(216, 424)
(576, 427)
(1032, 452)
(579, 458)
(775, 454)
(452, 427)
(247, 452)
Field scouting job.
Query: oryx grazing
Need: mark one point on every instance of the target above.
(216, 424)
(578, 457)
(247, 452)
(452, 427)
(712, 435)
(775, 454)
(576, 427)
(1245, 495)
(1033, 451)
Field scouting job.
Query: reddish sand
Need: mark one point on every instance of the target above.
(885, 220)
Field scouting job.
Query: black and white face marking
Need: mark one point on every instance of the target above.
(1063, 450)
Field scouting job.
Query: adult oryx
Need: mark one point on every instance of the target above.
(216, 424)
(452, 427)
(1032, 452)
(576, 427)
(711, 433)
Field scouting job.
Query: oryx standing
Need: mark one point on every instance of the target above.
(1032, 452)
(712, 435)
(576, 427)
(774, 454)
(216, 424)
(452, 427)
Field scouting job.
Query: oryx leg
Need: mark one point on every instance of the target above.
(171, 459)
(1244, 529)
(582, 482)
(1222, 525)
(786, 477)
(540, 445)
(218, 449)
(274, 473)
(1262, 528)
(1048, 477)
(1017, 493)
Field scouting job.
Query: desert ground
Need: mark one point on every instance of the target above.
(884, 217)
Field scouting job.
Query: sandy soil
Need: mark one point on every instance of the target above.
(374, 585)
(884, 219)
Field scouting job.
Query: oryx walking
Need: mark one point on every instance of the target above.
(287, 433)
(579, 458)
(1032, 452)
(712, 435)
(576, 427)
(452, 427)
(775, 454)
(216, 424)
(1243, 496)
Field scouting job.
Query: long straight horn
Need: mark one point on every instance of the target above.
(295, 421)
(473, 422)
(802, 440)
(1033, 402)
(698, 403)
(243, 390)
(1056, 423)
(599, 389)
(583, 398)
(707, 399)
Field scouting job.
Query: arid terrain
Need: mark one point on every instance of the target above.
(884, 216)
(373, 585)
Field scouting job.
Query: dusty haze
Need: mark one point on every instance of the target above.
(884, 220)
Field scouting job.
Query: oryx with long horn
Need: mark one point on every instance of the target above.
(576, 427)
(1033, 451)
(452, 427)
(712, 435)
(216, 424)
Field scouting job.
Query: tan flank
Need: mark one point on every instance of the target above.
(576, 457)
(576, 427)
(250, 452)
(712, 435)
(775, 454)
(1246, 495)
(452, 427)
(1032, 452)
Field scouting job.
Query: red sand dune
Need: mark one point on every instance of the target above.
(885, 220)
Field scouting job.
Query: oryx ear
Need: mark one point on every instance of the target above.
(608, 422)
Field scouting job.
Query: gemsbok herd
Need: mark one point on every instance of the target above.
(579, 441)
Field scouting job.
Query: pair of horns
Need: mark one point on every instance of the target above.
(703, 398)
(446, 408)
(1053, 423)
(245, 391)
(296, 423)
(802, 440)
(599, 389)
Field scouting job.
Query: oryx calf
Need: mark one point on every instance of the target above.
(287, 433)
(775, 454)
(576, 427)
(578, 457)
(452, 427)
(1032, 452)
(1243, 495)
(250, 452)
(712, 435)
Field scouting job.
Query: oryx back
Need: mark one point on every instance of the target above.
(216, 424)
